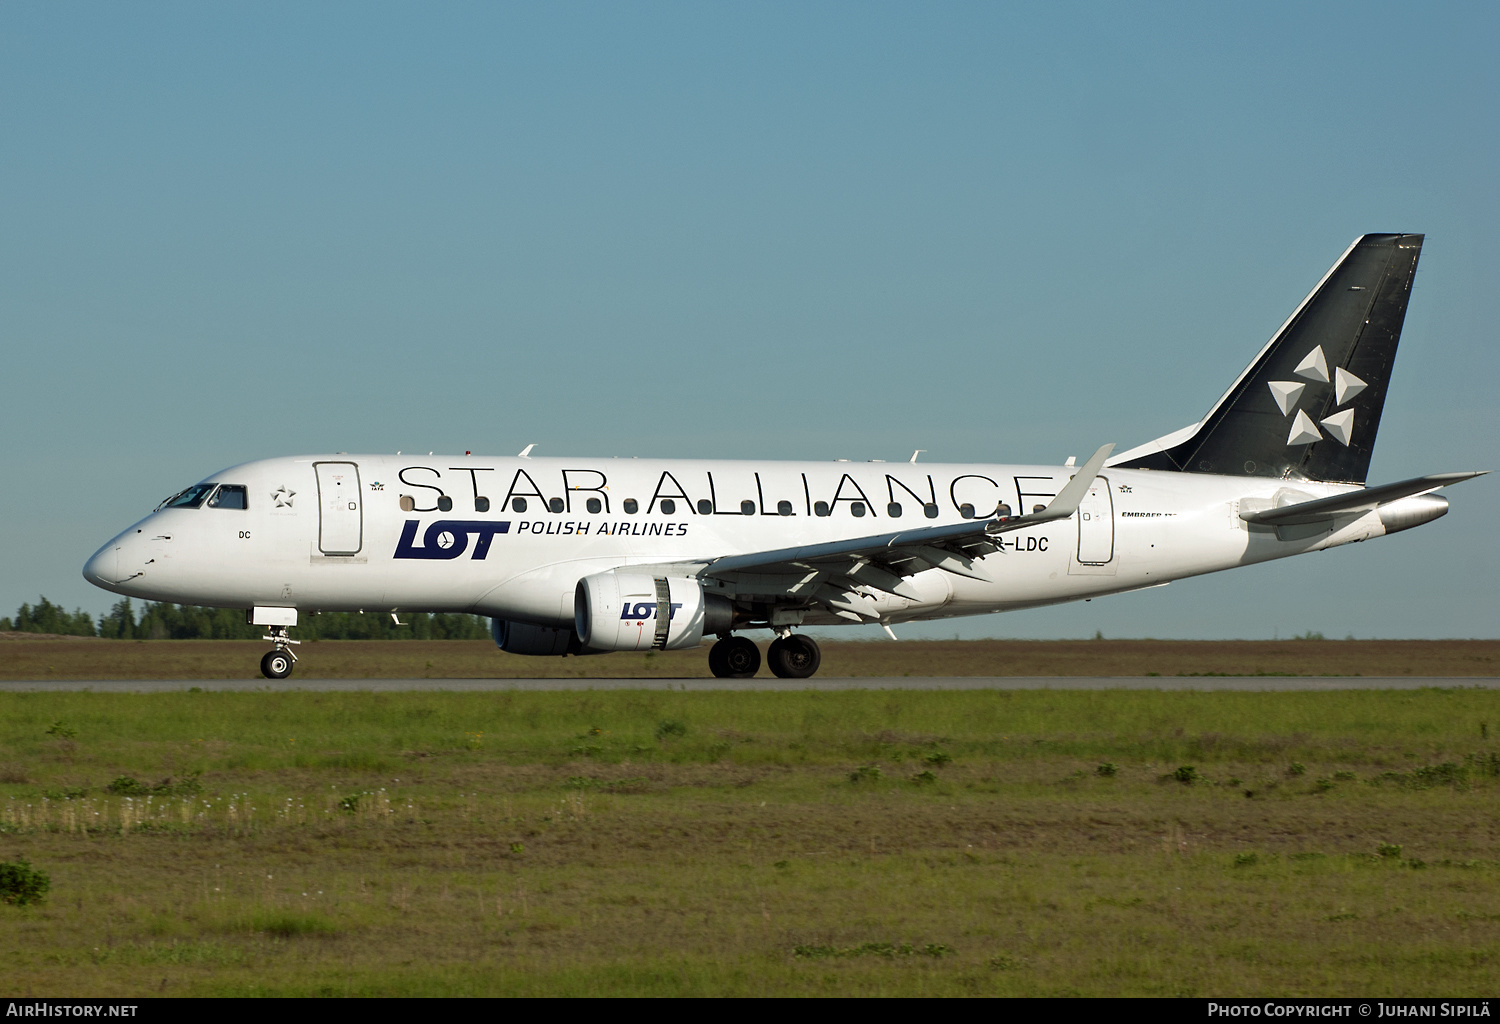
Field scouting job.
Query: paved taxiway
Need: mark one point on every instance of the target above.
(1277, 683)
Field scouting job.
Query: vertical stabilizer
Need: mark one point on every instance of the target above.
(1309, 405)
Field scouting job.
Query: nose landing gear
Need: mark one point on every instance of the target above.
(277, 664)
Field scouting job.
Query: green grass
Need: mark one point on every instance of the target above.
(660, 843)
(138, 734)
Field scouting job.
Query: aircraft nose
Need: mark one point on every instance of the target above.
(103, 569)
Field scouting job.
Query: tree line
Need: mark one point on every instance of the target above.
(162, 620)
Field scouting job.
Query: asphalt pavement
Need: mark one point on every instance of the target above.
(771, 683)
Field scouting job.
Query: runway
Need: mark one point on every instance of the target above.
(770, 684)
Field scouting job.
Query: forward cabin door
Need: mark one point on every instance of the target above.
(341, 524)
(1096, 525)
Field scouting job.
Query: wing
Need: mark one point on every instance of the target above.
(831, 574)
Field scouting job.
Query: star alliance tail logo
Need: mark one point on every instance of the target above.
(1314, 368)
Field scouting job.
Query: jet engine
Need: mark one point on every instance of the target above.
(524, 638)
(619, 612)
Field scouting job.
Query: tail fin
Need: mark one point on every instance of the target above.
(1309, 405)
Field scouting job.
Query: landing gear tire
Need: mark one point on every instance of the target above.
(276, 665)
(794, 656)
(734, 657)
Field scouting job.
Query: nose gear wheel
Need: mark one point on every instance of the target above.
(278, 663)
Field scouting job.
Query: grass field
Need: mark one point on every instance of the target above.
(25, 656)
(872, 842)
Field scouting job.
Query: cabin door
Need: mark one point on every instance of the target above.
(341, 523)
(1096, 525)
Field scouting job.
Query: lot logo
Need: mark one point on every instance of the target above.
(448, 538)
(640, 611)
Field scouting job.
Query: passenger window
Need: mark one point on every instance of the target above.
(228, 496)
(705, 507)
(518, 504)
(930, 510)
(893, 510)
(445, 504)
(594, 505)
(858, 508)
(407, 503)
(668, 507)
(555, 504)
(1002, 510)
(631, 506)
(747, 508)
(966, 510)
(784, 508)
(481, 504)
(820, 508)
(1038, 508)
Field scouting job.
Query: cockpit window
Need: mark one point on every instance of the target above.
(190, 498)
(229, 496)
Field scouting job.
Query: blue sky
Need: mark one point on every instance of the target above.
(996, 232)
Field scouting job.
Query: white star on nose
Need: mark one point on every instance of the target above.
(283, 497)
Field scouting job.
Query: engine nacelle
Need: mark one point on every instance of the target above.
(618, 612)
(523, 638)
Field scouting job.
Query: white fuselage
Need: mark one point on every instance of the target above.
(402, 533)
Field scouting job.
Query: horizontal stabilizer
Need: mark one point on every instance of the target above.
(1353, 501)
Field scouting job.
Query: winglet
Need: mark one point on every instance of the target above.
(1067, 500)
(1071, 496)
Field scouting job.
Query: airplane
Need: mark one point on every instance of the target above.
(578, 556)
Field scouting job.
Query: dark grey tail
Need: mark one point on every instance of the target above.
(1310, 404)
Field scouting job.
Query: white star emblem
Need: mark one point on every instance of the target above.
(1340, 426)
(1286, 393)
(1303, 431)
(1313, 366)
(1346, 385)
(282, 497)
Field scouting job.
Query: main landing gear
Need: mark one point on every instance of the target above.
(794, 656)
(277, 664)
(791, 656)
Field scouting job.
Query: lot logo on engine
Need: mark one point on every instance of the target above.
(448, 538)
(640, 611)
